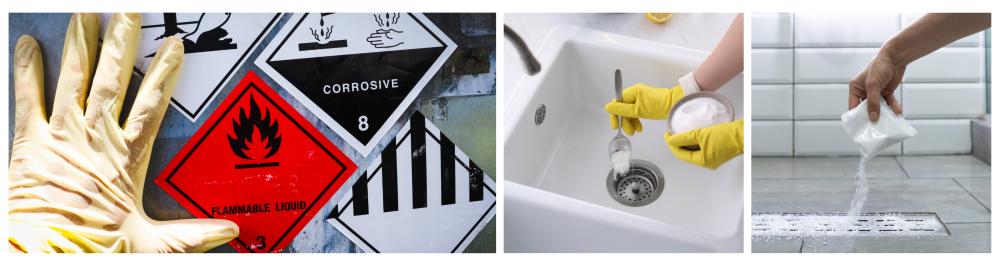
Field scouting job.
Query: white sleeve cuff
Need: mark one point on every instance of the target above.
(689, 85)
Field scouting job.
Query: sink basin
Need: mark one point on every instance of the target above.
(555, 193)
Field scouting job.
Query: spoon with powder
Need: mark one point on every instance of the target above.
(620, 148)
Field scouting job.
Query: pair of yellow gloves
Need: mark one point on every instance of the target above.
(719, 143)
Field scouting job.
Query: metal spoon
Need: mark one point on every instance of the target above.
(619, 143)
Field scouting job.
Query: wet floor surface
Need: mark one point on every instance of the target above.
(956, 187)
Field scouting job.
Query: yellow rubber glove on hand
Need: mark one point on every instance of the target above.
(76, 181)
(718, 143)
(642, 101)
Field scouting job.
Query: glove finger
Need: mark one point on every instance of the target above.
(631, 94)
(627, 126)
(153, 98)
(683, 139)
(614, 121)
(114, 70)
(79, 54)
(622, 109)
(681, 153)
(637, 124)
(196, 235)
(28, 89)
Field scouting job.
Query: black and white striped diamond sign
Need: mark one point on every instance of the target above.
(421, 194)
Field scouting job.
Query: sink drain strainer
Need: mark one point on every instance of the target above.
(839, 224)
(640, 186)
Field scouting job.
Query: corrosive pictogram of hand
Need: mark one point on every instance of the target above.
(386, 38)
(76, 180)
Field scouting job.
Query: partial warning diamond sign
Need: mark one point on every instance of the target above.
(259, 163)
(356, 71)
(215, 44)
(421, 194)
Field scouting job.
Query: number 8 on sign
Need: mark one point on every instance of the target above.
(363, 123)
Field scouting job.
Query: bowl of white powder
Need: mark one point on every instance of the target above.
(697, 111)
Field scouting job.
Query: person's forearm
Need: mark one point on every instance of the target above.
(725, 62)
(930, 33)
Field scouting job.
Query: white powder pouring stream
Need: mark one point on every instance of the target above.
(871, 138)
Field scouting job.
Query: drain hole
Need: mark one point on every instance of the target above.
(639, 186)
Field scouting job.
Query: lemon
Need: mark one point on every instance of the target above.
(658, 17)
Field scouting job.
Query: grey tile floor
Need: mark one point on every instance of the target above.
(956, 187)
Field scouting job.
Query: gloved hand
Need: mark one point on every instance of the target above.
(76, 181)
(719, 143)
(642, 101)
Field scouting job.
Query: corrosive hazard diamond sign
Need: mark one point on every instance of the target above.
(356, 71)
(259, 163)
(421, 194)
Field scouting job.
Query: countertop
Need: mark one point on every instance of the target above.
(699, 31)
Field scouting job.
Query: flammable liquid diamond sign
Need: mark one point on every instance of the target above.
(358, 72)
(259, 163)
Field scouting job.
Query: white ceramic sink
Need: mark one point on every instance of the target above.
(555, 195)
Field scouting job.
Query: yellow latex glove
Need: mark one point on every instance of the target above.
(642, 101)
(718, 143)
(76, 181)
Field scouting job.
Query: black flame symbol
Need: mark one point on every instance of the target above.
(244, 131)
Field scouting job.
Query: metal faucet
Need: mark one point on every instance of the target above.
(530, 64)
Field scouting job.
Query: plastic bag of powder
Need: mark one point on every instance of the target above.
(873, 137)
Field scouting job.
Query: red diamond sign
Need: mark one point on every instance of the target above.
(259, 163)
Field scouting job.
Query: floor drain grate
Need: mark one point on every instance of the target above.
(839, 224)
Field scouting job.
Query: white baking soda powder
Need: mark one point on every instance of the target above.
(698, 113)
(622, 161)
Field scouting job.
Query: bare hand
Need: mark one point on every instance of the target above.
(879, 78)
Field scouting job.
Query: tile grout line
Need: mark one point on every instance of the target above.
(973, 196)
(901, 166)
(793, 95)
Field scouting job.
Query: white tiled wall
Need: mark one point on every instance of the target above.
(771, 138)
(947, 65)
(840, 30)
(830, 65)
(925, 100)
(771, 30)
(808, 59)
(775, 102)
(772, 66)
(939, 137)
